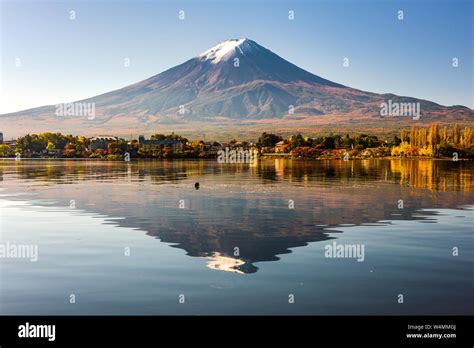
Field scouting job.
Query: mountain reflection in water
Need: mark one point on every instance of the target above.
(241, 215)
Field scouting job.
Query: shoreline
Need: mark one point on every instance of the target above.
(289, 158)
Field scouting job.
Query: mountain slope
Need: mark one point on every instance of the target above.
(236, 80)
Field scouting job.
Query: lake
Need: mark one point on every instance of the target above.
(140, 238)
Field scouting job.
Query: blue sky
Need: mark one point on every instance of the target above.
(64, 60)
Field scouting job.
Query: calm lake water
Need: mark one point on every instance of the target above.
(138, 238)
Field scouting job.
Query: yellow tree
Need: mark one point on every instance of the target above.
(4, 150)
(433, 135)
(444, 137)
(467, 137)
(437, 135)
(422, 137)
(430, 136)
(456, 134)
(403, 135)
(413, 136)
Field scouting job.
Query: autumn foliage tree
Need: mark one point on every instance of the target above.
(433, 141)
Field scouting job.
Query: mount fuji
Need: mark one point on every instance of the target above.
(237, 82)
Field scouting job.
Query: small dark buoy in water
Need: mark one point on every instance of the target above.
(196, 186)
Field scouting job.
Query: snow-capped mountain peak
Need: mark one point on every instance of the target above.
(212, 86)
(223, 50)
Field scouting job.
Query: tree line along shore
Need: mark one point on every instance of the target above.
(434, 141)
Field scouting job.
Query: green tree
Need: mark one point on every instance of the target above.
(297, 141)
(268, 139)
(5, 150)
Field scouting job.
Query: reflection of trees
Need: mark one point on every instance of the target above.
(434, 175)
(218, 219)
(330, 170)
